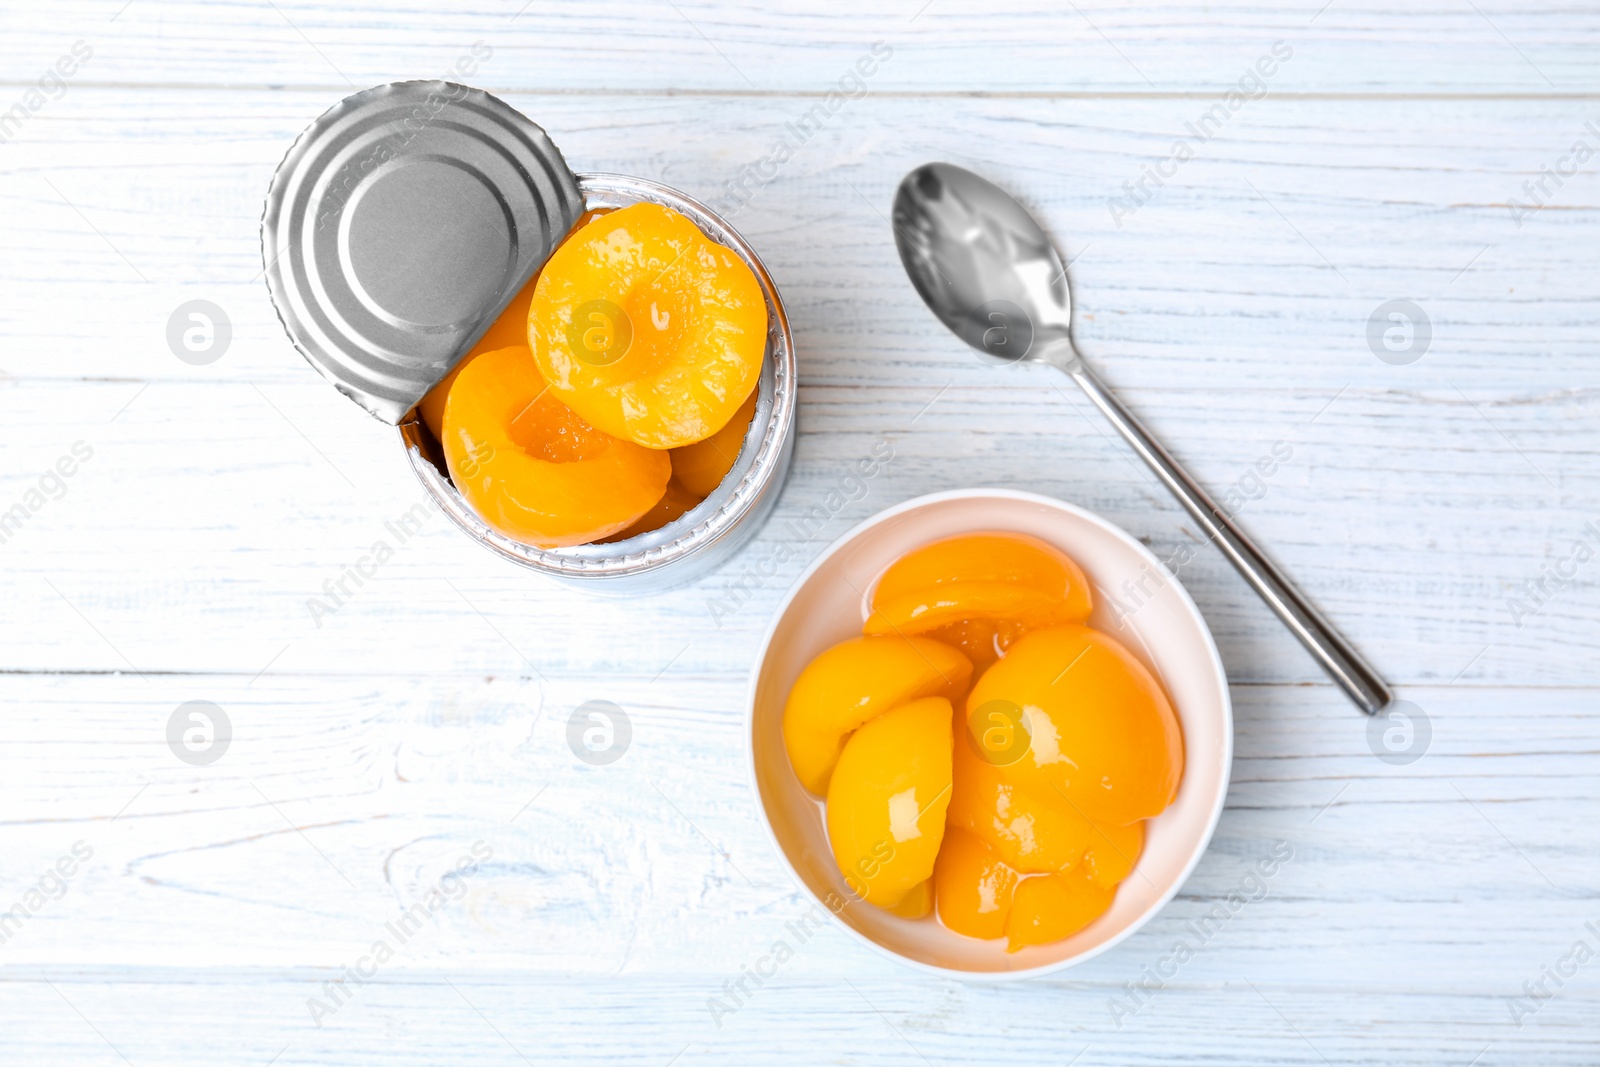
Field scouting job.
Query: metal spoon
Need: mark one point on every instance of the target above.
(990, 273)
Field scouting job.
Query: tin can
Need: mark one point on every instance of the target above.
(708, 535)
(399, 226)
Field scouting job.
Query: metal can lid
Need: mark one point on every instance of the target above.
(399, 226)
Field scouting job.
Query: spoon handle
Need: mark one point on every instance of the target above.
(1342, 662)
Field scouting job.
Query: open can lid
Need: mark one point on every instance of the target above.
(399, 226)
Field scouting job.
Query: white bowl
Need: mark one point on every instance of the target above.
(1166, 631)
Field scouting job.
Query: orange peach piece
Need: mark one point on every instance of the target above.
(1102, 734)
(981, 640)
(647, 328)
(676, 502)
(1030, 835)
(530, 466)
(852, 682)
(917, 903)
(1008, 577)
(887, 799)
(1048, 907)
(1113, 851)
(973, 887)
(702, 465)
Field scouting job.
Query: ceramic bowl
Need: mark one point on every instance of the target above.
(1164, 629)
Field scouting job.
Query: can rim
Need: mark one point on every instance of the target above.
(718, 515)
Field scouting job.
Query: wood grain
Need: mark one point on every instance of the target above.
(428, 715)
(1417, 899)
(940, 46)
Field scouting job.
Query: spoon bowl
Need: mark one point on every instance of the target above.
(982, 264)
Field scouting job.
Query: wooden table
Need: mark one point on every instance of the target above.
(1430, 911)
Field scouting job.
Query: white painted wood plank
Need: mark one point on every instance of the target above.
(942, 45)
(499, 1019)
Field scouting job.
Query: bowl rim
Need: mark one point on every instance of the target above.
(1219, 674)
